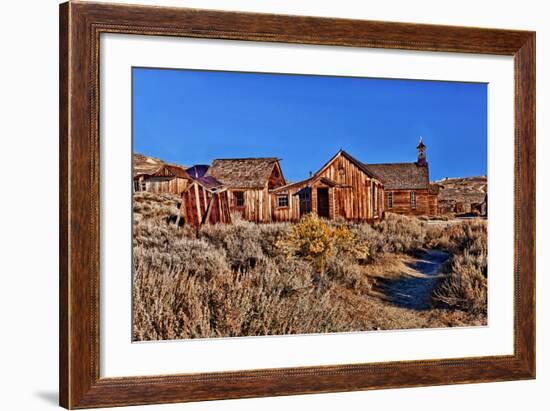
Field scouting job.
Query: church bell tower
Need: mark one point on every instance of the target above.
(421, 148)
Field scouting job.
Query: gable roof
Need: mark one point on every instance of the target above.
(397, 176)
(168, 170)
(352, 159)
(243, 172)
(326, 180)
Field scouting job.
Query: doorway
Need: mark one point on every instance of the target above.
(305, 200)
(322, 202)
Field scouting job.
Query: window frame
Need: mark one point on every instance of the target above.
(413, 200)
(280, 197)
(239, 195)
(390, 200)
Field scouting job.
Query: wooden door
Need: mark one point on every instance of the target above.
(305, 200)
(322, 202)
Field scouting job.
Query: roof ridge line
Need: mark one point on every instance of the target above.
(389, 164)
(247, 158)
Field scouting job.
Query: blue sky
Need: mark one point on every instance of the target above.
(192, 117)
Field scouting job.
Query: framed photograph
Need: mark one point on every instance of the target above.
(259, 205)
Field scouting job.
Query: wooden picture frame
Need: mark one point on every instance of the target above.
(80, 27)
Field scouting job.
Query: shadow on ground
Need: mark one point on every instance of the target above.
(413, 291)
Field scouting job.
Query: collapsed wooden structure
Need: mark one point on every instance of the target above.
(204, 201)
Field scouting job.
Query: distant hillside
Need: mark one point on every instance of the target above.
(468, 190)
(145, 165)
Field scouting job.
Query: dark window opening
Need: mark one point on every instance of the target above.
(390, 200)
(239, 198)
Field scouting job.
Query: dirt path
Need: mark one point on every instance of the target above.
(413, 289)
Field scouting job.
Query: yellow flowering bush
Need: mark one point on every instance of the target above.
(316, 241)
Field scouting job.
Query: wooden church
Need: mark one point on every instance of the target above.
(407, 187)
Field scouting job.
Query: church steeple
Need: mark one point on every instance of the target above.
(421, 148)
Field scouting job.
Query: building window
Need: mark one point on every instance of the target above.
(282, 201)
(390, 200)
(239, 198)
(413, 199)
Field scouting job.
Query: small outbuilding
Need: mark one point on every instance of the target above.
(167, 179)
(204, 201)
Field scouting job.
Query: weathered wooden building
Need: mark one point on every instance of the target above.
(407, 186)
(204, 201)
(256, 188)
(343, 187)
(167, 179)
(249, 181)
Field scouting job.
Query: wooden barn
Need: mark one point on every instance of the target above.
(407, 186)
(248, 181)
(204, 201)
(343, 187)
(167, 179)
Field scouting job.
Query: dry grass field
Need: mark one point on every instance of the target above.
(317, 276)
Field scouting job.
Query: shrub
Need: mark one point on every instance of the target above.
(374, 241)
(241, 242)
(314, 240)
(193, 257)
(274, 297)
(154, 205)
(401, 234)
(260, 279)
(348, 273)
(465, 285)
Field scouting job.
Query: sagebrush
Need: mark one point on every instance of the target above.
(316, 276)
